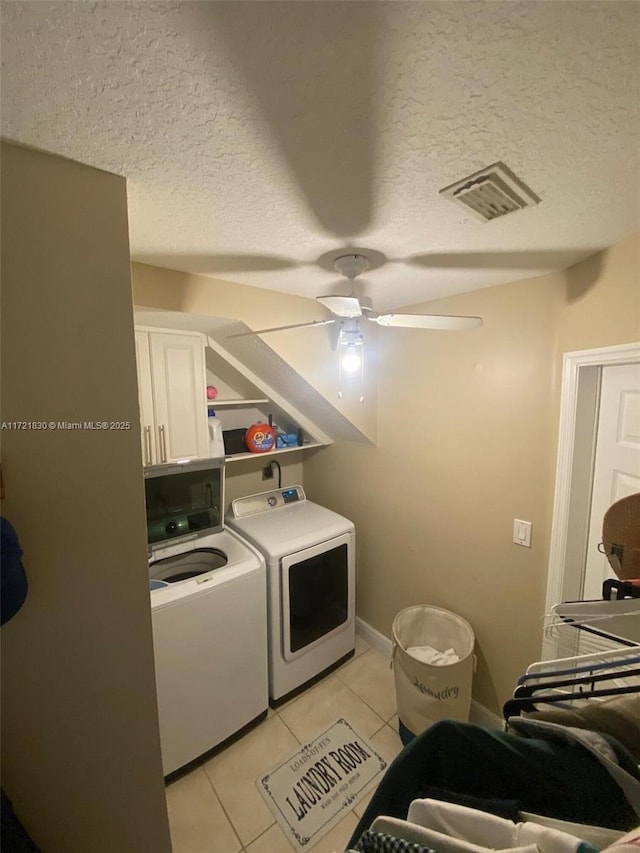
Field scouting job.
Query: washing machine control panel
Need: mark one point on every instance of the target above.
(266, 501)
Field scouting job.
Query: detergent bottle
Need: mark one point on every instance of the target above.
(260, 438)
(216, 440)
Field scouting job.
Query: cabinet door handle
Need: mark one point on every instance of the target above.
(147, 443)
(163, 443)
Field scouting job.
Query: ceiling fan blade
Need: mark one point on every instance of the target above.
(342, 306)
(427, 321)
(316, 94)
(282, 328)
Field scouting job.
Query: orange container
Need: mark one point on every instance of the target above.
(260, 438)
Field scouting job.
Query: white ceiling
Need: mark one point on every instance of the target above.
(259, 139)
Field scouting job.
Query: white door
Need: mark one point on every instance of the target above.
(617, 462)
(177, 363)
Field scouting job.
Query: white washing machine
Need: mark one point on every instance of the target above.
(209, 614)
(310, 556)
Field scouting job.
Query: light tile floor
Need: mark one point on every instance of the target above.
(217, 808)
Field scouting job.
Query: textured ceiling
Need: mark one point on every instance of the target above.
(259, 139)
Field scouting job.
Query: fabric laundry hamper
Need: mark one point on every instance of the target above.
(426, 693)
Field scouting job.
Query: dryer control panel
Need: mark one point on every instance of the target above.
(267, 501)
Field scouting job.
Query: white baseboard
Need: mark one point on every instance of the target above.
(482, 716)
(478, 714)
(375, 639)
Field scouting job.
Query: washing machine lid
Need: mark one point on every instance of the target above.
(283, 521)
(242, 559)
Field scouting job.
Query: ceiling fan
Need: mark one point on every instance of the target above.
(350, 309)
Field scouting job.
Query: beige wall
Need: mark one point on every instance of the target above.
(80, 742)
(245, 476)
(601, 302)
(467, 437)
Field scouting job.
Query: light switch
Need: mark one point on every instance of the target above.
(522, 532)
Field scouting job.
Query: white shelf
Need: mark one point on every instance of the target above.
(236, 457)
(220, 404)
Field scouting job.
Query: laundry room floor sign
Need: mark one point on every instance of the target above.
(312, 790)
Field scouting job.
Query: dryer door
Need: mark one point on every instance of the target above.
(317, 594)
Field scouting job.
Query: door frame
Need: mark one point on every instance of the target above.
(581, 374)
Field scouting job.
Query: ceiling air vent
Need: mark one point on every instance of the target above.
(491, 192)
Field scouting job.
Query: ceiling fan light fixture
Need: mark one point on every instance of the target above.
(351, 360)
(350, 335)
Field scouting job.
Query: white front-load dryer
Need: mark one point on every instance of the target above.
(310, 556)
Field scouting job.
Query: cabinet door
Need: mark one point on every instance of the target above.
(145, 398)
(178, 378)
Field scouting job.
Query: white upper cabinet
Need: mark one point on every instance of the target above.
(171, 388)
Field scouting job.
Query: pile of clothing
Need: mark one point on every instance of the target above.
(432, 825)
(478, 781)
(427, 654)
